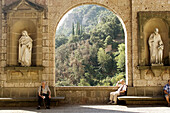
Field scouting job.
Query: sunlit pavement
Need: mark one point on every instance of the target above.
(89, 109)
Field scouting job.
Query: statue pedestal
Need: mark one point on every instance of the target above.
(16, 74)
(157, 70)
(157, 64)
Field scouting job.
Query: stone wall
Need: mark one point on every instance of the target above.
(84, 95)
(11, 75)
(148, 79)
(127, 10)
(144, 78)
(0, 21)
(22, 91)
(145, 91)
(18, 92)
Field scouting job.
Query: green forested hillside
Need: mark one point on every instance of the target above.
(87, 15)
(90, 48)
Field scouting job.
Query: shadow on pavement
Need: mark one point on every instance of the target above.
(68, 109)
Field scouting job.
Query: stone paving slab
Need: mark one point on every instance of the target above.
(89, 109)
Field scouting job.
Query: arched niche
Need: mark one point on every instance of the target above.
(14, 36)
(149, 28)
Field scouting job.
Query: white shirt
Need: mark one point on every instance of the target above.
(44, 90)
(122, 88)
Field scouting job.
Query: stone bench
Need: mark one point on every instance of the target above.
(143, 100)
(26, 101)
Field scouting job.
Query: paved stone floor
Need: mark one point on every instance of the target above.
(90, 109)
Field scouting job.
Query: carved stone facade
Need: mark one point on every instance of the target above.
(17, 16)
(42, 18)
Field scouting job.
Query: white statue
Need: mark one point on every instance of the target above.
(156, 48)
(25, 49)
(160, 52)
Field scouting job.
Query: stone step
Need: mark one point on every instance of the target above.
(143, 100)
(26, 101)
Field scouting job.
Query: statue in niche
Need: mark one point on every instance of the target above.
(25, 49)
(156, 48)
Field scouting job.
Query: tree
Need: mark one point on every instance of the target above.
(120, 57)
(73, 29)
(60, 40)
(81, 29)
(78, 29)
(108, 40)
(83, 82)
(105, 60)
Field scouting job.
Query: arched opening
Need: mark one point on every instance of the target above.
(108, 50)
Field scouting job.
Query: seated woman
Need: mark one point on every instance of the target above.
(43, 95)
(120, 91)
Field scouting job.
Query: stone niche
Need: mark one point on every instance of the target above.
(19, 16)
(147, 22)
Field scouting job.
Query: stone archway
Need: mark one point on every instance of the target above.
(121, 9)
(45, 14)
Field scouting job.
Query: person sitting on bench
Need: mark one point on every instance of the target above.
(44, 96)
(167, 92)
(120, 91)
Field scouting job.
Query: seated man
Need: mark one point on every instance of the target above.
(120, 91)
(167, 92)
(43, 95)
